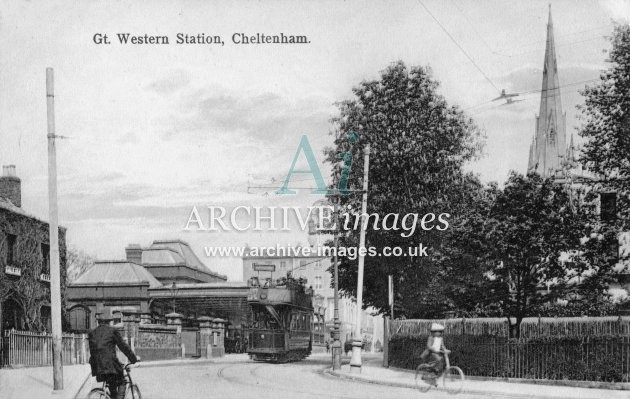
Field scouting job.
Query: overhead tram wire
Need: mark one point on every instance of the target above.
(585, 40)
(529, 44)
(473, 28)
(542, 42)
(559, 87)
(459, 46)
(528, 92)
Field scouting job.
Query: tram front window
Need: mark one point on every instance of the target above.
(265, 321)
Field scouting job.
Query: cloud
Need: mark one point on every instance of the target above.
(264, 116)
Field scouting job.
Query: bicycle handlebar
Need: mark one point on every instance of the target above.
(127, 366)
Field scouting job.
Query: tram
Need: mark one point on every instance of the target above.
(281, 328)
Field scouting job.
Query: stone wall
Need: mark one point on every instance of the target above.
(164, 341)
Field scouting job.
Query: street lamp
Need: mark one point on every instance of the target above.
(336, 332)
(336, 346)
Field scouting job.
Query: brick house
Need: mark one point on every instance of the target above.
(24, 261)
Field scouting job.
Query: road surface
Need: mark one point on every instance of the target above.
(238, 378)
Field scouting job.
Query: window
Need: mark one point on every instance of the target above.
(11, 250)
(608, 206)
(45, 259)
(318, 282)
(318, 264)
(302, 263)
(79, 318)
(283, 264)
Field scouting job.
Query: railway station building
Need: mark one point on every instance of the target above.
(163, 284)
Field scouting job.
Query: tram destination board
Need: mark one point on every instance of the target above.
(264, 268)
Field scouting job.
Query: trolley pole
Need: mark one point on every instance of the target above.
(336, 346)
(55, 277)
(355, 361)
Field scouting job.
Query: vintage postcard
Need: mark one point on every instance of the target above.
(314, 199)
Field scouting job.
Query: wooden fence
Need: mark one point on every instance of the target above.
(531, 327)
(26, 348)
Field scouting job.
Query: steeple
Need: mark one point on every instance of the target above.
(549, 149)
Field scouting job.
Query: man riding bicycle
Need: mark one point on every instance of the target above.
(105, 366)
(433, 355)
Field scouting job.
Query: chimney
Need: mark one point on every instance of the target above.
(134, 253)
(11, 185)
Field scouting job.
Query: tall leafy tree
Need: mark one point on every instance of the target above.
(606, 126)
(419, 145)
(533, 240)
(606, 155)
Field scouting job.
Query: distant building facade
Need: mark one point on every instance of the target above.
(24, 261)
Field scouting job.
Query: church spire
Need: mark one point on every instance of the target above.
(548, 148)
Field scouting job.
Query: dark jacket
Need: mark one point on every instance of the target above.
(103, 342)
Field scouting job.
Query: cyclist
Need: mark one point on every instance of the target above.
(105, 366)
(433, 355)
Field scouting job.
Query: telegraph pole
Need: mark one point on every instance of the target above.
(55, 276)
(355, 361)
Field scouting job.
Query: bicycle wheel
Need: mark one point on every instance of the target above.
(98, 393)
(133, 392)
(421, 374)
(453, 379)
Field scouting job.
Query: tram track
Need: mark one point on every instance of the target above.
(263, 382)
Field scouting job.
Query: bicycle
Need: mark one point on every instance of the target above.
(130, 387)
(452, 377)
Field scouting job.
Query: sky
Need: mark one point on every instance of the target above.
(155, 130)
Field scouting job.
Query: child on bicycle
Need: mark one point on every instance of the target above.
(433, 355)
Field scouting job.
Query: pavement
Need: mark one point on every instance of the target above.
(37, 382)
(372, 372)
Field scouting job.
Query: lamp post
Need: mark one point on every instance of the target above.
(173, 289)
(336, 346)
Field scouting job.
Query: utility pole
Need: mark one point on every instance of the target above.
(55, 276)
(336, 346)
(355, 361)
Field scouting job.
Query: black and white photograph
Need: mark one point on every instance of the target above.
(290, 199)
